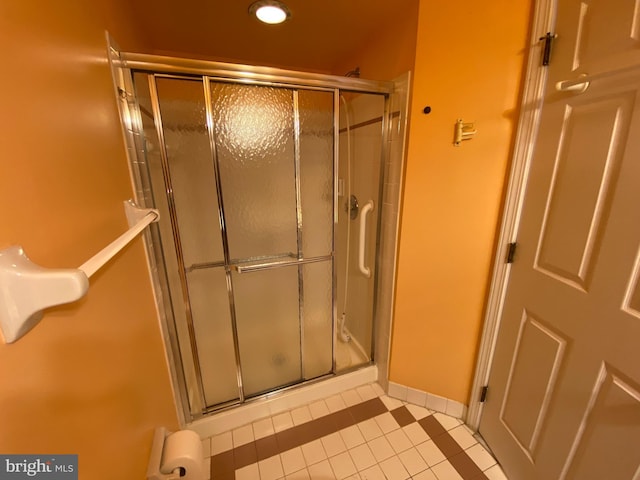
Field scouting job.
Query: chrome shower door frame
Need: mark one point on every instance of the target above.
(213, 71)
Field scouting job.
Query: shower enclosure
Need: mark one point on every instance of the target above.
(269, 187)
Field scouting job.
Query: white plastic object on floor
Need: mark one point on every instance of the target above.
(26, 289)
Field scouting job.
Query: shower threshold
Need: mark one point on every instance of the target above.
(281, 401)
(350, 357)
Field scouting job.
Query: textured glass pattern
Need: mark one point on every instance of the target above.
(316, 171)
(186, 138)
(255, 150)
(214, 336)
(283, 334)
(176, 303)
(267, 312)
(318, 318)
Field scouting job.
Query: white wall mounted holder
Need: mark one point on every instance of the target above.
(26, 289)
(463, 131)
(176, 456)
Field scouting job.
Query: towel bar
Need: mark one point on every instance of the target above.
(26, 288)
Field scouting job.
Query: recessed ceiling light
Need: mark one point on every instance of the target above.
(270, 11)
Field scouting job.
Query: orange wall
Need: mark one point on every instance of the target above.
(390, 53)
(90, 379)
(469, 63)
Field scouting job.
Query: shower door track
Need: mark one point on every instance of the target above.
(221, 407)
(247, 73)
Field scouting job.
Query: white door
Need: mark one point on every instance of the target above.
(564, 390)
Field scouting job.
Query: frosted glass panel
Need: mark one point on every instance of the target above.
(186, 138)
(213, 333)
(360, 168)
(316, 171)
(267, 312)
(318, 315)
(153, 162)
(255, 150)
(284, 334)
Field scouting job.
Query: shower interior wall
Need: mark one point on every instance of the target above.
(361, 120)
(364, 113)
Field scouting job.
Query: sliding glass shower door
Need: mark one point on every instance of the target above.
(245, 175)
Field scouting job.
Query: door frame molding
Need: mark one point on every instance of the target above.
(543, 21)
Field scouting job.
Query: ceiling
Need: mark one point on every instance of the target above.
(319, 37)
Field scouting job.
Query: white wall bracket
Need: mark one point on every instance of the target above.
(463, 131)
(26, 289)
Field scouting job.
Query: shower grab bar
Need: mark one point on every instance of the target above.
(364, 212)
(285, 263)
(27, 289)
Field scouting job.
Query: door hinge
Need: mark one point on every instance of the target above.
(546, 52)
(511, 252)
(483, 393)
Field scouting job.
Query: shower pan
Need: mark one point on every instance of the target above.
(264, 268)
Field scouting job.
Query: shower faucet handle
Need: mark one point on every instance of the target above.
(352, 207)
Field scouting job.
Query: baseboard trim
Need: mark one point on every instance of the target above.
(427, 400)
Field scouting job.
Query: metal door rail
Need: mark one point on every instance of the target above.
(284, 263)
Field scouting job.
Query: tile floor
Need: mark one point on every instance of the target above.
(360, 434)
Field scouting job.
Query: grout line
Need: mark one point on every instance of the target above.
(225, 464)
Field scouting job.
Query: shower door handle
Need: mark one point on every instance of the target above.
(366, 209)
(282, 263)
